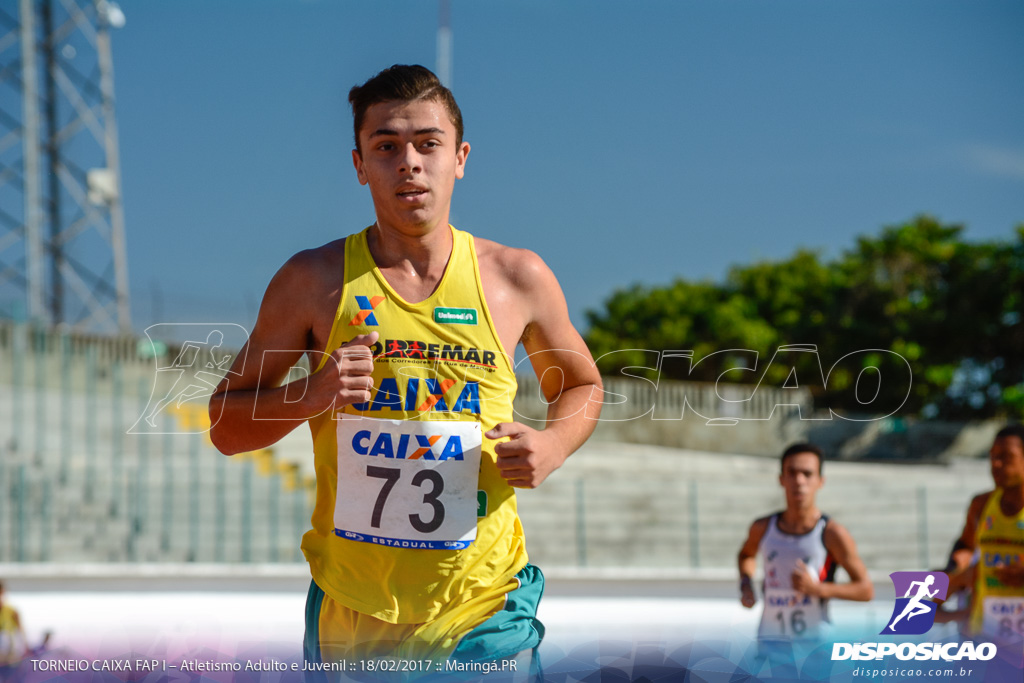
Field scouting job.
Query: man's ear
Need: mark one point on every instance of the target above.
(460, 159)
(357, 161)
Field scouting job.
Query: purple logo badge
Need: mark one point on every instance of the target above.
(914, 612)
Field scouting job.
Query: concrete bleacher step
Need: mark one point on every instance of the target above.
(867, 498)
(105, 522)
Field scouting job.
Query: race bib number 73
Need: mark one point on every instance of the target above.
(407, 483)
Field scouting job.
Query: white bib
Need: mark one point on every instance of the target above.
(1003, 616)
(407, 483)
(790, 614)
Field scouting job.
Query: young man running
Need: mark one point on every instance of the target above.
(994, 528)
(416, 550)
(801, 548)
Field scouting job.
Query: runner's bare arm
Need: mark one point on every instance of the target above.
(960, 557)
(747, 561)
(250, 409)
(961, 580)
(959, 568)
(969, 535)
(569, 379)
(840, 544)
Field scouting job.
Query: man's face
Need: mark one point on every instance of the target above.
(410, 160)
(1006, 458)
(800, 479)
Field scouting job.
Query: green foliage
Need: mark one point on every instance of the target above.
(951, 310)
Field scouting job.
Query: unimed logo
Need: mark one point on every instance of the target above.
(914, 614)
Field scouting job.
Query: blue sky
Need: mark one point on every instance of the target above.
(623, 142)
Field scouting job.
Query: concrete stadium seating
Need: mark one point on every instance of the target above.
(79, 485)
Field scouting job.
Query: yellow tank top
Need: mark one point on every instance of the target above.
(998, 609)
(8, 619)
(436, 362)
(9, 631)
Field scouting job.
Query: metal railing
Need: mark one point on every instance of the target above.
(655, 520)
(79, 484)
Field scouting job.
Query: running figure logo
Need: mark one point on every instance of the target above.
(204, 378)
(193, 374)
(914, 613)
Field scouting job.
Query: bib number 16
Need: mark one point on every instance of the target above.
(797, 623)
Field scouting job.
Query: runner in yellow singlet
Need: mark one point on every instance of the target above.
(13, 646)
(416, 549)
(994, 530)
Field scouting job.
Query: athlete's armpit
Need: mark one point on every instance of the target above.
(283, 331)
(564, 366)
(841, 545)
(969, 537)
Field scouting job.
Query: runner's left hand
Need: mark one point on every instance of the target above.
(528, 457)
(805, 582)
(747, 597)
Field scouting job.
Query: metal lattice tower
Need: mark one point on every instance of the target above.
(62, 249)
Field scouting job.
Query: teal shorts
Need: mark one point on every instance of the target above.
(511, 630)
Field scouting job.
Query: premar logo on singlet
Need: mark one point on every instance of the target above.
(407, 446)
(417, 349)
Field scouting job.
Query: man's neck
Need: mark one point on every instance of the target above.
(800, 520)
(1012, 501)
(413, 263)
(422, 248)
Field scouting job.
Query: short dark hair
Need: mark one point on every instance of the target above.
(805, 447)
(404, 83)
(1016, 430)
